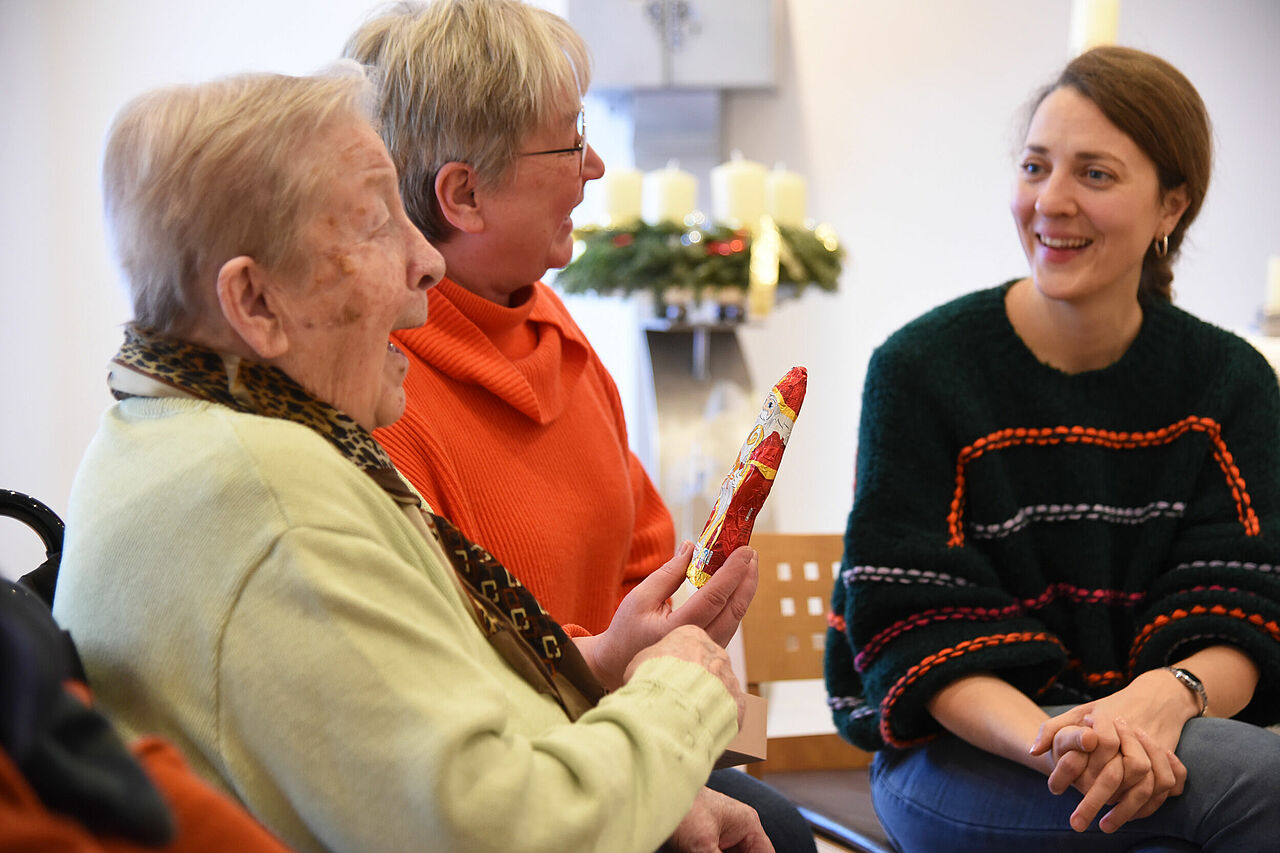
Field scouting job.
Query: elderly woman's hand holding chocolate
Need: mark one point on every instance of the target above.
(646, 615)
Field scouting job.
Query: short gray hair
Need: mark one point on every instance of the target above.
(465, 80)
(196, 175)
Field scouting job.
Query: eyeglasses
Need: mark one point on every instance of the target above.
(580, 149)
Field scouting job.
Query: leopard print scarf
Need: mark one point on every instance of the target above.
(503, 606)
(246, 386)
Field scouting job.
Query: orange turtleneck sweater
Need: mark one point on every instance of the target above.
(514, 430)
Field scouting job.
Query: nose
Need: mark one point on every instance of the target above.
(1055, 195)
(593, 165)
(426, 265)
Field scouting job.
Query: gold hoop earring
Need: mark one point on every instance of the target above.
(1161, 245)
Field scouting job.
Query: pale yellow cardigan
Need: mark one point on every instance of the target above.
(234, 583)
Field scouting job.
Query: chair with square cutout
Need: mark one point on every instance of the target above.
(784, 638)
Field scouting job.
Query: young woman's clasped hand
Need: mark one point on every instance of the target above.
(1119, 750)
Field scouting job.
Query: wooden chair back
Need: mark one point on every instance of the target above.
(784, 638)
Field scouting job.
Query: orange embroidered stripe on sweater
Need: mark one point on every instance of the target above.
(1014, 437)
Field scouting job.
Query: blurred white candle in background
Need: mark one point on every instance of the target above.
(621, 196)
(669, 194)
(786, 197)
(1272, 305)
(737, 192)
(1093, 22)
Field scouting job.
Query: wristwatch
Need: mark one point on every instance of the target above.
(1195, 685)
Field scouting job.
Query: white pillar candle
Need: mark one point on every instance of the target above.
(737, 192)
(786, 197)
(669, 194)
(1093, 22)
(621, 196)
(1272, 305)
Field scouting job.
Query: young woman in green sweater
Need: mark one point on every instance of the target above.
(1063, 553)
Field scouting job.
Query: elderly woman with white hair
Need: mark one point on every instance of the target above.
(244, 570)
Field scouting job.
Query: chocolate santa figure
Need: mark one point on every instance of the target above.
(743, 491)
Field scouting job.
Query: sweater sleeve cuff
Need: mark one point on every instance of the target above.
(706, 716)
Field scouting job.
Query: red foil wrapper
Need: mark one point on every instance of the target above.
(743, 491)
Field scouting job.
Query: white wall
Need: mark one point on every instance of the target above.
(900, 113)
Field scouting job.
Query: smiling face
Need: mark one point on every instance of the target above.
(528, 227)
(367, 271)
(1087, 202)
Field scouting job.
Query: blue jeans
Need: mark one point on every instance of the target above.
(949, 796)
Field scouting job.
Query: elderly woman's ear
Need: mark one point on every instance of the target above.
(251, 308)
(456, 185)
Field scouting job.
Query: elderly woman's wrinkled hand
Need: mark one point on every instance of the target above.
(718, 607)
(717, 823)
(645, 615)
(692, 644)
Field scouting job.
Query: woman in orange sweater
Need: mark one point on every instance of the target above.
(512, 427)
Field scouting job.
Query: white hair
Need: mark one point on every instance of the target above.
(196, 175)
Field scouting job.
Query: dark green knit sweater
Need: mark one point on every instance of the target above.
(1065, 532)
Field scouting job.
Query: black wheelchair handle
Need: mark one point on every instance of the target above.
(35, 515)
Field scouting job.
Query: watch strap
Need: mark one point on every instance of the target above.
(1195, 685)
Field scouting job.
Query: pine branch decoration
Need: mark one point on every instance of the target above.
(656, 257)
